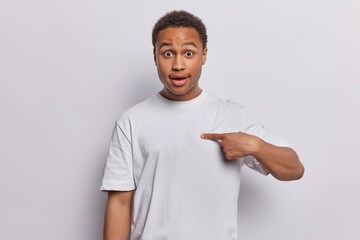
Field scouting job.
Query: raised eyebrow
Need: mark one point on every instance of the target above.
(165, 44)
(190, 43)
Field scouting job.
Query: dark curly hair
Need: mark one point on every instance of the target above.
(180, 19)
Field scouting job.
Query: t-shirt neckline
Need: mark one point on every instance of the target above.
(181, 104)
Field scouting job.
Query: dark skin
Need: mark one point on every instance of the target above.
(179, 53)
(283, 162)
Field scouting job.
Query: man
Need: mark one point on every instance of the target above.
(177, 155)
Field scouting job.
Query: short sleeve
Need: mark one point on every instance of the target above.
(118, 170)
(255, 127)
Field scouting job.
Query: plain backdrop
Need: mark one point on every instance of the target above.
(68, 69)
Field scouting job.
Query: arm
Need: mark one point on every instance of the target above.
(117, 216)
(283, 162)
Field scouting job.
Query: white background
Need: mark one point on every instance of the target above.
(68, 69)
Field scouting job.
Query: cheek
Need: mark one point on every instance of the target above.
(161, 67)
(195, 67)
(162, 71)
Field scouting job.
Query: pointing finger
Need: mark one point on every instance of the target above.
(212, 136)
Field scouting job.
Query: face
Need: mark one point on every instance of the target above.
(179, 57)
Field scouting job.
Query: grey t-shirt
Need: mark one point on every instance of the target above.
(185, 188)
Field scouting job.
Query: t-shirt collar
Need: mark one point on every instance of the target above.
(181, 104)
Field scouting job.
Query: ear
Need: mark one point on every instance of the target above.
(204, 55)
(154, 52)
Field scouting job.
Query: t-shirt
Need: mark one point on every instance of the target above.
(185, 188)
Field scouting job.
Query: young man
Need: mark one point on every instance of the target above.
(178, 154)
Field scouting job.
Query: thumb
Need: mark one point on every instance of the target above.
(212, 136)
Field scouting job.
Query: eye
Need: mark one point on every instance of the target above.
(168, 53)
(189, 53)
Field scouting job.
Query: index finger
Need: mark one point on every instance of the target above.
(212, 136)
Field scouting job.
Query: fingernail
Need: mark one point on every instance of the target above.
(202, 136)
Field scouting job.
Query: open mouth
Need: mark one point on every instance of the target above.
(178, 80)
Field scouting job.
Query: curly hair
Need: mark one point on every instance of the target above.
(180, 19)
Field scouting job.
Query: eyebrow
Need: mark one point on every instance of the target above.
(165, 44)
(190, 43)
(170, 44)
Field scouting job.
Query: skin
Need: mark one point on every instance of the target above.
(117, 215)
(283, 162)
(179, 52)
(172, 57)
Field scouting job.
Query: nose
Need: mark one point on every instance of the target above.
(178, 63)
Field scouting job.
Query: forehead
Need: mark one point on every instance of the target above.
(178, 35)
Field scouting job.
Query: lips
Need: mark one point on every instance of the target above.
(178, 77)
(179, 80)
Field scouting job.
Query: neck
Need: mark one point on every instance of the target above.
(193, 93)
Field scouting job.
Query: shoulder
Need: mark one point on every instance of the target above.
(228, 106)
(224, 103)
(135, 112)
(234, 107)
(240, 113)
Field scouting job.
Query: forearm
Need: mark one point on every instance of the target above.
(117, 222)
(283, 162)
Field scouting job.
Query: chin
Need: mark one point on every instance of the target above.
(179, 92)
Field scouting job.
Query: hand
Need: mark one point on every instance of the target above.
(235, 144)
